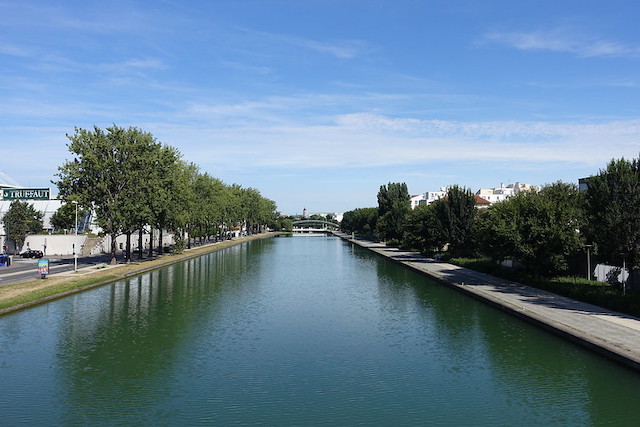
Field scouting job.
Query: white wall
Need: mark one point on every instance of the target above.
(602, 272)
(62, 244)
(121, 242)
(57, 244)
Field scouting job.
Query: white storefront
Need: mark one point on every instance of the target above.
(41, 200)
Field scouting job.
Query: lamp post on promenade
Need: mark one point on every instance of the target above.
(75, 241)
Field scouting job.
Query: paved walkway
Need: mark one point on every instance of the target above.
(612, 334)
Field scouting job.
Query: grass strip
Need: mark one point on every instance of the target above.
(29, 292)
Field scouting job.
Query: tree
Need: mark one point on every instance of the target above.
(423, 230)
(394, 203)
(256, 209)
(284, 224)
(458, 219)
(538, 229)
(361, 222)
(454, 220)
(21, 218)
(162, 195)
(186, 200)
(106, 175)
(65, 217)
(612, 206)
(268, 212)
(208, 214)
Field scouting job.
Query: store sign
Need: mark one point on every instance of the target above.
(26, 194)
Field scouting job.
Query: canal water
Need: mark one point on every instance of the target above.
(296, 331)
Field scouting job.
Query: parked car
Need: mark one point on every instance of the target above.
(5, 260)
(32, 253)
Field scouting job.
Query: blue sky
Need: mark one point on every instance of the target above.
(317, 103)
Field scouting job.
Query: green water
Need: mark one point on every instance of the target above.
(296, 331)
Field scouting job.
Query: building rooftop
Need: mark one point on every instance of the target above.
(7, 182)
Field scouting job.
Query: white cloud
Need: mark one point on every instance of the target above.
(132, 65)
(367, 140)
(109, 18)
(238, 66)
(15, 50)
(343, 49)
(564, 41)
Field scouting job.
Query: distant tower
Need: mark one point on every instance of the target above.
(305, 214)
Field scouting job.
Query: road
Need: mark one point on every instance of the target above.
(24, 269)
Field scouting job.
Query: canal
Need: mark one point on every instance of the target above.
(296, 331)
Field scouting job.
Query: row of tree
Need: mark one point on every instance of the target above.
(133, 183)
(545, 230)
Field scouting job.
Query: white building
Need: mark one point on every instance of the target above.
(428, 197)
(417, 200)
(39, 198)
(499, 194)
(432, 196)
(491, 195)
(47, 207)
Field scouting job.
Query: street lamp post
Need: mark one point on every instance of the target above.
(588, 261)
(75, 241)
(624, 275)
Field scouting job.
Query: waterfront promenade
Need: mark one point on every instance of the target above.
(614, 335)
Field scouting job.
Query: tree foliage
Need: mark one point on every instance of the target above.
(394, 204)
(423, 230)
(546, 231)
(132, 181)
(361, 221)
(21, 219)
(284, 224)
(537, 229)
(108, 176)
(612, 206)
(450, 220)
(65, 217)
(456, 214)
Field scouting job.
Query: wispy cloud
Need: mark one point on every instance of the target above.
(564, 41)
(343, 49)
(52, 63)
(365, 140)
(110, 18)
(14, 50)
(242, 67)
(133, 65)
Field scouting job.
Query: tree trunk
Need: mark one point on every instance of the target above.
(114, 261)
(127, 254)
(150, 242)
(140, 244)
(160, 248)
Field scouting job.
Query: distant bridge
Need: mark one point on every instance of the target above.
(314, 226)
